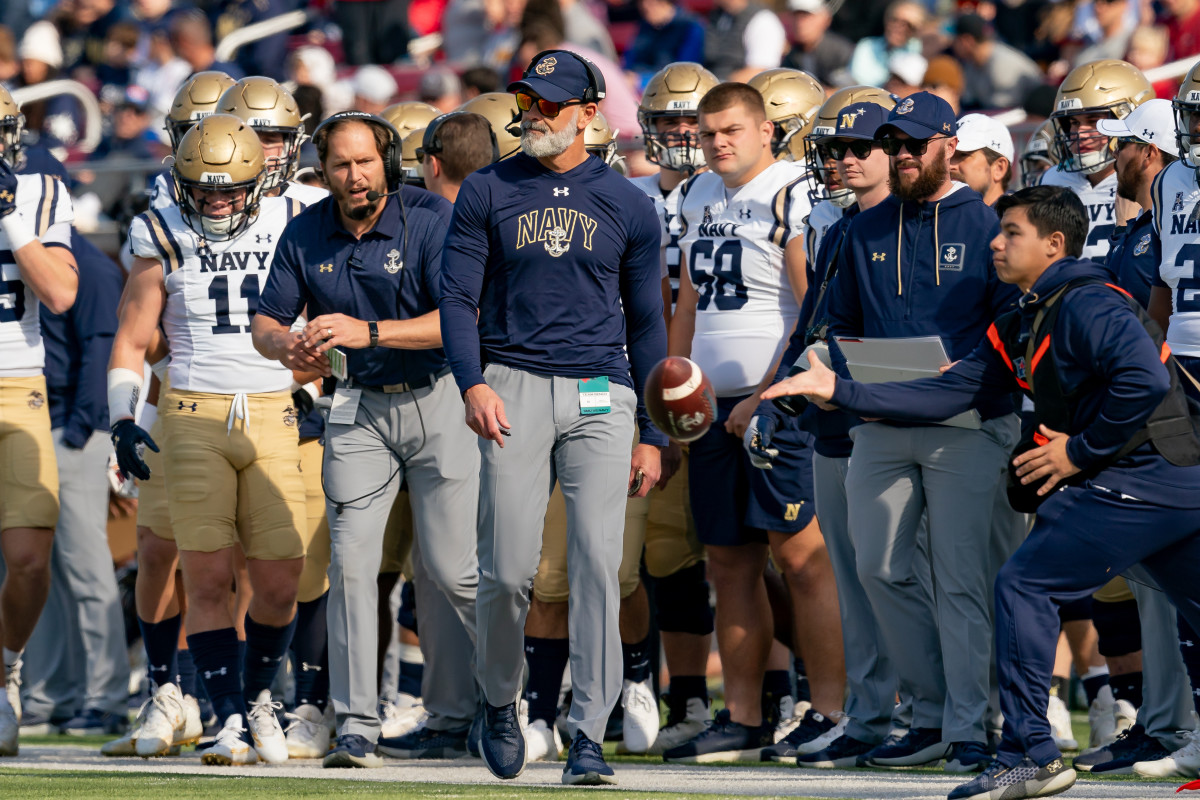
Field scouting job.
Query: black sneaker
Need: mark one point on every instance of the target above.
(1026, 779)
(917, 747)
(502, 743)
(842, 752)
(968, 757)
(585, 764)
(425, 743)
(352, 750)
(475, 733)
(1130, 747)
(93, 722)
(723, 740)
(814, 729)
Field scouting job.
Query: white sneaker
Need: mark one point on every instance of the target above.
(1060, 724)
(686, 729)
(1101, 720)
(1183, 763)
(10, 730)
(127, 744)
(165, 715)
(641, 715)
(840, 720)
(192, 728)
(542, 742)
(229, 748)
(789, 717)
(308, 734)
(12, 687)
(1124, 716)
(268, 736)
(401, 716)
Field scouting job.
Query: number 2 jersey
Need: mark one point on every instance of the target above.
(212, 294)
(1175, 195)
(732, 244)
(1100, 202)
(45, 203)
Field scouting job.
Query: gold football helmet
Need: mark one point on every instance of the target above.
(500, 110)
(410, 167)
(1107, 87)
(221, 153)
(792, 99)
(674, 91)
(1040, 154)
(409, 116)
(601, 140)
(267, 107)
(196, 99)
(818, 161)
(1187, 122)
(12, 123)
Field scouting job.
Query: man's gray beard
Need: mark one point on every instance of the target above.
(547, 145)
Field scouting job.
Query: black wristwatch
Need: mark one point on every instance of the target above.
(373, 330)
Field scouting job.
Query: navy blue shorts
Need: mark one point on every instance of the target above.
(735, 503)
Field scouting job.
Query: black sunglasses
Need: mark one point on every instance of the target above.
(860, 147)
(917, 147)
(422, 152)
(546, 108)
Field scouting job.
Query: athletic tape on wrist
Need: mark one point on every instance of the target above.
(124, 389)
(18, 230)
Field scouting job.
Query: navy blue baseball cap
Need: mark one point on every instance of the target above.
(556, 75)
(921, 116)
(859, 121)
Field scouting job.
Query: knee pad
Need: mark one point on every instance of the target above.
(681, 602)
(1076, 610)
(1117, 627)
(407, 616)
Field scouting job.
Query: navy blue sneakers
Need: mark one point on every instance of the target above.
(425, 743)
(352, 750)
(918, 746)
(1025, 779)
(585, 764)
(723, 740)
(502, 743)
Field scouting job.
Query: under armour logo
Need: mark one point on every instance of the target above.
(7, 196)
(191, 407)
(1147, 134)
(878, 256)
(262, 237)
(326, 268)
(563, 192)
(306, 667)
(208, 675)
(744, 213)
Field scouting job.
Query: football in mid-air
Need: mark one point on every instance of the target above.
(679, 399)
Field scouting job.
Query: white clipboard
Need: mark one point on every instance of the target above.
(887, 360)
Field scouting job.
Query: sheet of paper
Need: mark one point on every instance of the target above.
(886, 360)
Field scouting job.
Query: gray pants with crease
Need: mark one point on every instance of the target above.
(1166, 692)
(440, 462)
(79, 641)
(589, 457)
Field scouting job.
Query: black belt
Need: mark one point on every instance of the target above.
(423, 382)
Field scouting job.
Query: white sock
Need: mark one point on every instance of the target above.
(11, 658)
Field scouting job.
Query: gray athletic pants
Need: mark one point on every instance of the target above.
(589, 457)
(950, 473)
(1166, 691)
(76, 658)
(441, 463)
(444, 641)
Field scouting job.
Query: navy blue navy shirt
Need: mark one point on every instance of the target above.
(922, 269)
(319, 264)
(78, 344)
(1105, 359)
(416, 197)
(563, 270)
(1134, 257)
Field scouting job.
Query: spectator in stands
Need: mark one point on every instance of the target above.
(265, 56)
(944, 77)
(56, 121)
(1116, 26)
(120, 52)
(1148, 49)
(441, 88)
(161, 73)
(994, 74)
(479, 80)
(1182, 20)
(817, 50)
(373, 31)
(903, 21)
(906, 71)
(374, 88)
(665, 33)
(192, 39)
(743, 39)
(87, 23)
(465, 31)
(15, 18)
(10, 68)
(503, 21)
(585, 30)
(130, 135)
(313, 66)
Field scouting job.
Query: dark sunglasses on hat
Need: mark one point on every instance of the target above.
(917, 147)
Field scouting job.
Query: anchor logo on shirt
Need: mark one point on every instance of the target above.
(393, 264)
(557, 244)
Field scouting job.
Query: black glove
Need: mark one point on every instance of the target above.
(8, 189)
(303, 401)
(130, 442)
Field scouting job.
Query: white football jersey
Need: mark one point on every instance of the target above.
(45, 203)
(667, 209)
(1175, 195)
(1100, 202)
(733, 243)
(820, 220)
(162, 193)
(212, 294)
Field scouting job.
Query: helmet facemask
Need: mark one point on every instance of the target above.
(822, 166)
(787, 142)
(225, 226)
(1187, 128)
(282, 168)
(673, 150)
(1086, 152)
(11, 128)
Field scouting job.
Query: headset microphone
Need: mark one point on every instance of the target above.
(373, 195)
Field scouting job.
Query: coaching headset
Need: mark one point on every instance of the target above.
(431, 143)
(595, 91)
(392, 172)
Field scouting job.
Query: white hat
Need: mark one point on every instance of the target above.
(1153, 122)
(375, 83)
(977, 131)
(811, 6)
(41, 43)
(909, 67)
(322, 70)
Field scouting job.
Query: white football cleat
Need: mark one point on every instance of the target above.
(1060, 724)
(192, 728)
(10, 730)
(401, 716)
(1101, 719)
(308, 733)
(641, 716)
(1183, 763)
(790, 717)
(127, 744)
(542, 742)
(684, 730)
(12, 688)
(230, 748)
(265, 730)
(166, 714)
